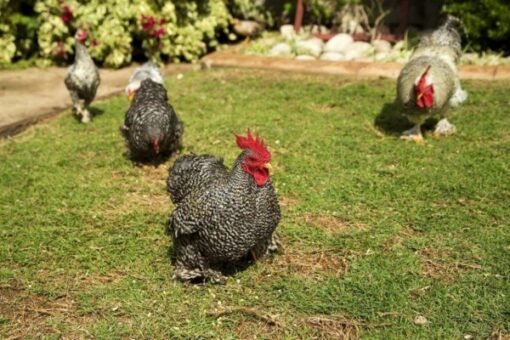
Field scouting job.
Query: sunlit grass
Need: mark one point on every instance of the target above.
(376, 231)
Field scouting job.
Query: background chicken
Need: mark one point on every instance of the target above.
(221, 216)
(82, 79)
(428, 84)
(246, 28)
(151, 126)
(149, 70)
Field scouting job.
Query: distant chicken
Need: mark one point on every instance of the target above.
(221, 216)
(246, 28)
(82, 79)
(151, 126)
(148, 70)
(429, 84)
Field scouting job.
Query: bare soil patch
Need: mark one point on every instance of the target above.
(334, 327)
(332, 225)
(396, 240)
(440, 264)
(28, 312)
(308, 263)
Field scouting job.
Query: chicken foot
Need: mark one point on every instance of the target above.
(413, 134)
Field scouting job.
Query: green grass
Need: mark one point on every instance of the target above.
(376, 231)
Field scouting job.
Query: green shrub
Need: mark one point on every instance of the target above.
(7, 37)
(118, 29)
(486, 22)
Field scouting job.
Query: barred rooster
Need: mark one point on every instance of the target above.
(151, 126)
(147, 70)
(429, 84)
(82, 79)
(221, 216)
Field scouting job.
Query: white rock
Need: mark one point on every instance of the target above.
(399, 45)
(332, 56)
(420, 320)
(319, 29)
(304, 57)
(280, 49)
(358, 49)
(287, 31)
(311, 46)
(339, 43)
(380, 56)
(381, 46)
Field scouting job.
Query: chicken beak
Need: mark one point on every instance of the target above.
(269, 167)
(418, 97)
(131, 95)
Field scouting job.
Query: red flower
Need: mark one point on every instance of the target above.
(148, 23)
(67, 14)
(159, 32)
(153, 27)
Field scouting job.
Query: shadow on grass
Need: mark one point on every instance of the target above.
(391, 121)
(95, 111)
(141, 161)
(227, 269)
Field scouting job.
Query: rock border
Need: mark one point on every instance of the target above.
(354, 68)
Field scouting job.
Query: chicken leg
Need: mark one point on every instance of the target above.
(444, 128)
(413, 134)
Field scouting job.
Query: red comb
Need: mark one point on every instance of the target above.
(256, 145)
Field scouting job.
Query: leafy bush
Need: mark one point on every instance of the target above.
(118, 29)
(486, 22)
(7, 37)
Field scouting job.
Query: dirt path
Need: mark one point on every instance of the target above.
(28, 96)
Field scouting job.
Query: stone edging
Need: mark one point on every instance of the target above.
(357, 68)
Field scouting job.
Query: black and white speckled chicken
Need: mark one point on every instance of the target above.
(82, 79)
(221, 216)
(429, 84)
(151, 126)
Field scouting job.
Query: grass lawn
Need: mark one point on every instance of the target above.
(377, 232)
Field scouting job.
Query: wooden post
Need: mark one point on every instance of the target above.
(298, 19)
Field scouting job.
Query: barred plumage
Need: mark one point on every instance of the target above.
(221, 216)
(151, 126)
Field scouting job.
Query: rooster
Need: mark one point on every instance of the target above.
(151, 126)
(429, 84)
(82, 79)
(147, 70)
(222, 216)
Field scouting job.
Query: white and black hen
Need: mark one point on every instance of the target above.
(82, 79)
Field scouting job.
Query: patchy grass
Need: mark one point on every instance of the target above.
(376, 231)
